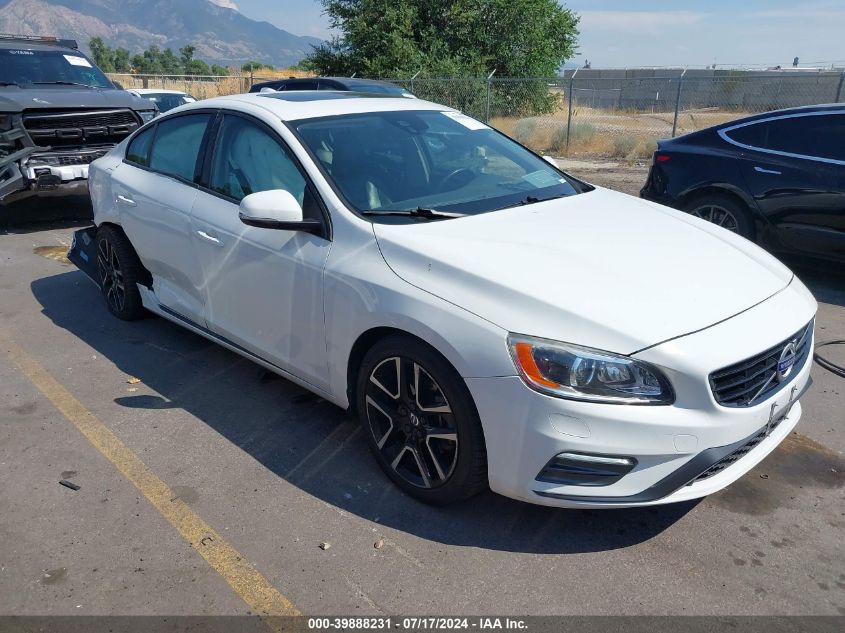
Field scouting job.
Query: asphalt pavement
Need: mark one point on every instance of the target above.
(208, 486)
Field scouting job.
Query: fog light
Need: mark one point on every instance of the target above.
(579, 469)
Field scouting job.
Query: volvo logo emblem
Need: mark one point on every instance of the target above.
(785, 362)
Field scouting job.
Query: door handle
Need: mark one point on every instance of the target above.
(125, 200)
(210, 237)
(763, 170)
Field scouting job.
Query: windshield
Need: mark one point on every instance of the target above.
(26, 67)
(167, 101)
(404, 161)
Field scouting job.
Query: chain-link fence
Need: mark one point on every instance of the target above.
(618, 114)
(198, 86)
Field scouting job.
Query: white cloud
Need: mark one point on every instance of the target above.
(636, 21)
(226, 4)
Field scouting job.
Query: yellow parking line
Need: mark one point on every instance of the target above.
(262, 597)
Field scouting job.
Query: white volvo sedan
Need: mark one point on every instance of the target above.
(493, 321)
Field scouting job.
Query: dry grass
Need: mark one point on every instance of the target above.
(618, 134)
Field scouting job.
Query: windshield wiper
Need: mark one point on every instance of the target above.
(535, 200)
(419, 212)
(10, 83)
(61, 83)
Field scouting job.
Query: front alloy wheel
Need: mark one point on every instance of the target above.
(420, 421)
(411, 421)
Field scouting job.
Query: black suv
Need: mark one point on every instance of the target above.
(367, 86)
(776, 178)
(58, 113)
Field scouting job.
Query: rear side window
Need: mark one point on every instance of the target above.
(177, 145)
(754, 135)
(820, 136)
(302, 85)
(815, 136)
(138, 151)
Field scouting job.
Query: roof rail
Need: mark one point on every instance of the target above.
(39, 39)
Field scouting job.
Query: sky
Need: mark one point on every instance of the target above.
(634, 33)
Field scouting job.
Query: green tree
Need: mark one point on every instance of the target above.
(252, 66)
(390, 38)
(102, 54)
(170, 64)
(120, 59)
(219, 70)
(187, 53)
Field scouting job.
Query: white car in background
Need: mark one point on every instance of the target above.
(165, 100)
(492, 320)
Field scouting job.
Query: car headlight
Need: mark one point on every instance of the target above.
(581, 373)
(147, 115)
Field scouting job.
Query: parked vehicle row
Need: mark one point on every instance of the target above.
(492, 320)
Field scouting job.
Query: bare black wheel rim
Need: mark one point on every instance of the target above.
(111, 276)
(412, 422)
(719, 216)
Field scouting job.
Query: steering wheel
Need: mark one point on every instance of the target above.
(457, 178)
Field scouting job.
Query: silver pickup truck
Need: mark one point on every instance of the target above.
(58, 113)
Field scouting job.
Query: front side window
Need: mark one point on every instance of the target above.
(32, 67)
(247, 159)
(400, 161)
(177, 145)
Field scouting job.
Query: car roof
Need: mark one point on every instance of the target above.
(822, 107)
(312, 104)
(156, 91)
(346, 81)
(32, 45)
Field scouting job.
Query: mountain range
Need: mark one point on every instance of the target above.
(219, 31)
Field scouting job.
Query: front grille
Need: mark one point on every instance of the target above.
(79, 159)
(79, 128)
(755, 379)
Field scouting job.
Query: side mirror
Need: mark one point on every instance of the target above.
(276, 209)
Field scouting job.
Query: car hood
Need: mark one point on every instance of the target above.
(15, 99)
(600, 269)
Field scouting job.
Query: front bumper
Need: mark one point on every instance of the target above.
(48, 174)
(672, 445)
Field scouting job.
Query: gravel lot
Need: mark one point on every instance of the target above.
(274, 473)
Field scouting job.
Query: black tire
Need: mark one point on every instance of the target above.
(455, 469)
(120, 271)
(724, 211)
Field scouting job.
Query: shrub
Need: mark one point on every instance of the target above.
(581, 134)
(524, 130)
(624, 146)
